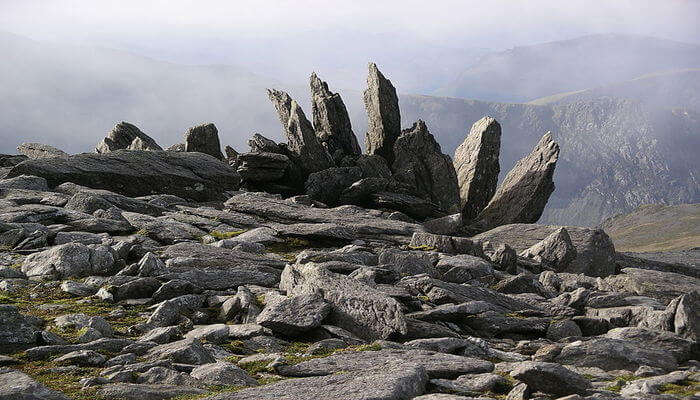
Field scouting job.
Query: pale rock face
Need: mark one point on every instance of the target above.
(383, 115)
(419, 163)
(556, 251)
(522, 196)
(477, 166)
(126, 136)
(40, 150)
(331, 120)
(301, 138)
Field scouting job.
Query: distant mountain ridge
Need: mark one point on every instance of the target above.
(526, 73)
(616, 153)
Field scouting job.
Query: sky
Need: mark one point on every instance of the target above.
(495, 24)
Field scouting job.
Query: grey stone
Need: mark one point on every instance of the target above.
(40, 150)
(419, 163)
(681, 348)
(78, 289)
(361, 309)
(524, 192)
(477, 167)
(82, 358)
(133, 391)
(16, 329)
(446, 244)
(556, 251)
(463, 268)
(611, 354)
(138, 173)
(293, 315)
(204, 139)
(595, 253)
(383, 115)
(262, 166)
(550, 378)
(223, 373)
(328, 185)
(17, 385)
(663, 286)
(187, 351)
(80, 321)
(301, 139)
(71, 260)
(123, 136)
(260, 144)
(437, 365)
(563, 329)
(24, 181)
(331, 120)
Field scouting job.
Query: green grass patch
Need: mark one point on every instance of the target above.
(423, 247)
(620, 382)
(290, 248)
(226, 235)
(685, 388)
(66, 382)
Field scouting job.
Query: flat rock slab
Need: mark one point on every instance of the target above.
(16, 385)
(663, 286)
(388, 382)
(437, 365)
(133, 391)
(595, 253)
(135, 173)
(612, 354)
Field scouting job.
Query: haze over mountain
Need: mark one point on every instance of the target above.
(616, 153)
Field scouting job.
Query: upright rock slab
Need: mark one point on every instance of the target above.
(331, 120)
(556, 250)
(361, 309)
(301, 138)
(419, 163)
(522, 196)
(204, 139)
(477, 166)
(123, 136)
(383, 116)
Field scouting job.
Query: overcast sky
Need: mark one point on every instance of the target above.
(456, 23)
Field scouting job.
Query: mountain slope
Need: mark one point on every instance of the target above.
(673, 89)
(653, 228)
(530, 72)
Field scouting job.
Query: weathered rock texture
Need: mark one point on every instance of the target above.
(419, 163)
(477, 166)
(383, 116)
(204, 139)
(331, 120)
(40, 150)
(301, 138)
(126, 136)
(522, 196)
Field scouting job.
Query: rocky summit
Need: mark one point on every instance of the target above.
(306, 269)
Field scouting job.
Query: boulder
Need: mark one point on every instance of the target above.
(355, 306)
(17, 385)
(15, 328)
(301, 138)
(612, 354)
(550, 378)
(595, 253)
(40, 150)
(477, 166)
(328, 185)
(378, 382)
(123, 136)
(419, 163)
(681, 348)
(663, 286)
(522, 196)
(186, 351)
(262, 166)
(260, 144)
(138, 173)
(134, 391)
(331, 120)
(555, 252)
(71, 260)
(204, 139)
(446, 244)
(291, 316)
(383, 115)
(223, 373)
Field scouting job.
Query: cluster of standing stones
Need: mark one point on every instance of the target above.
(307, 269)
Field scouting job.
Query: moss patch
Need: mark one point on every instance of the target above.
(66, 382)
(226, 235)
(685, 388)
(290, 248)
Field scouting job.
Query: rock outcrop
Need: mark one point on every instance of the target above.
(40, 150)
(419, 163)
(331, 121)
(522, 196)
(477, 166)
(383, 115)
(138, 173)
(204, 139)
(126, 136)
(302, 142)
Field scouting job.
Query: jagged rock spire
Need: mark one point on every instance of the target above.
(477, 167)
(204, 139)
(524, 192)
(301, 138)
(419, 162)
(331, 120)
(383, 116)
(122, 136)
